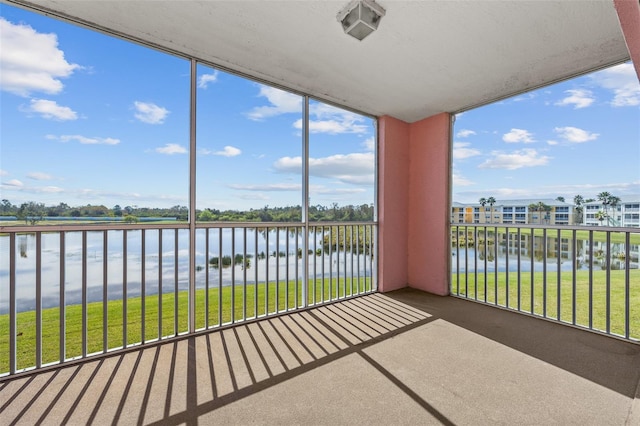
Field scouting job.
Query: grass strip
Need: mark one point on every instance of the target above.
(229, 304)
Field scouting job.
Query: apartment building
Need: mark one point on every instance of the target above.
(626, 214)
(552, 212)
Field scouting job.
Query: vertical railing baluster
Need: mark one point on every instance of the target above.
(323, 262)
(486, 252)
(466, 261)
(495, 266)
(244, 273)
(160, 315)
(124, 289)
(315, 262)
(475, 263)
(105, 293)
(255, 272)
(277, 304)
(457, 260)
(286, 271)
(266, 273)
(351, 257)
(143, 285)
(220, 276)
(506, 260)
(206, 277)
(591, 278)
(544, 272)
(175, 282)
(13, 315)
(62, 304)
(574, 280)
(558, 277)
(608, 284)
(358, 258)
(338, 262)
(330, 262)
(233, 275)
(84, 294)
(627, 293)
(344, 257)
(295, 289)
(532, 258)
(38, 299)
(519, 259)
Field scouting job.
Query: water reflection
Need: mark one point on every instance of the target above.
(526, 253)
(161, 260)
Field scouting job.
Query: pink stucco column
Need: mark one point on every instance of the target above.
(429, 176)
(393, 196)
(629, 17)
(413, 203)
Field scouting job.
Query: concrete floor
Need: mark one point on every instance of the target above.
(405, 357)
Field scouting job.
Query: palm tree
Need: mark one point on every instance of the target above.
(483, 202)
(491, 201)
(607, 201)
(601, 216)
(578, 200)
(533, 207)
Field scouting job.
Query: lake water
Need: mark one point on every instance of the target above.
(473, 258)
(174, 256)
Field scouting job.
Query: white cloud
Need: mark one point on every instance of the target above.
(150, 113)
(51, 110)
(579, 98)
(4, 172)
(228, 151)
(524, 97)
(552, 142)
(461, 151)
(268, 187)
(515, 160)
(622, 80)
(355, 168)
(31, 61)
(459, 180)
(281, 102)
(39, 176)
(205, 79)
(324, 118)
(85, 140)
(465, 133)
(369, 144)
(332, 120)
(171, 148)
(518, 135)
(575, 135)
(15, 183)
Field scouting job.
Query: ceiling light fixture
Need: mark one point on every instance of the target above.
(360, 18)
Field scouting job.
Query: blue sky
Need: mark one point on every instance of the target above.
(90, 119)
(580, 136)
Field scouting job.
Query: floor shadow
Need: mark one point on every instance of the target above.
(604, 360)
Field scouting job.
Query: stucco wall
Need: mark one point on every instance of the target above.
(413, 204)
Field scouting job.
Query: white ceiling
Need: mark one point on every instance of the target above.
(426, 57)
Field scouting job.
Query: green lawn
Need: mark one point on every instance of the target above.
(466, 286)
(220, 308)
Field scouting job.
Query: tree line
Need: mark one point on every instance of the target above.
(33, 212)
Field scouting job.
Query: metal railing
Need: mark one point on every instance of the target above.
(75, 291)
(587, 277)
